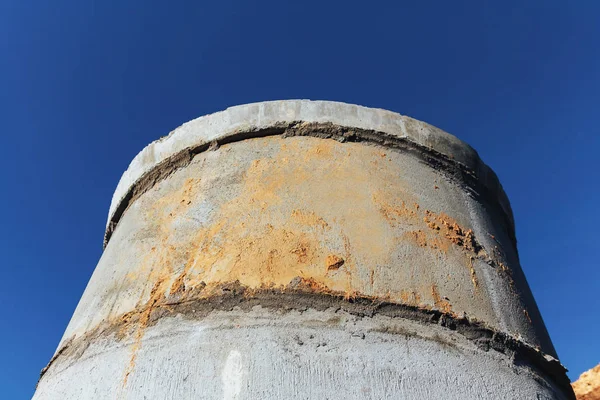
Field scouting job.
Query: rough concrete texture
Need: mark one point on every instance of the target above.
(307, 250)
(261, 354)
(587, 387)
(274, 117)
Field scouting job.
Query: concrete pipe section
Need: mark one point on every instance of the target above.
(307, 250)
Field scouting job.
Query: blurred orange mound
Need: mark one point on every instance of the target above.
(587, 387)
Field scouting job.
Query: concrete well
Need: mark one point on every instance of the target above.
(307, 250)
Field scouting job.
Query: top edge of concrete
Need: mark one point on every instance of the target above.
(263, 115)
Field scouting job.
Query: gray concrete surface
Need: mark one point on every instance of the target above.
(297, 355)
(307, 250)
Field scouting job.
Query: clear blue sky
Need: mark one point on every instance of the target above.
(85, 85)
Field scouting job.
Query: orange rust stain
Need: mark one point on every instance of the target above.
(473, 274)
(309, 218)
(313, 285)
(301, 251)
(444, 232)
(527, 316)
(404, 297)
(442, 304)
(156, 297)
(223, 254)
(271, 263)
(176, 202)
(417, 297)
(411, 298)
(505, 269)
(395, 214)
(324, 149)
(439, 244)
(163, 212)
(282, 226)
(423, 239)
(178, 286)
(416, 236)
(264, 186)
(351, 295)
(451, 230)
(157, 265)
(231, 249)
(333, 262)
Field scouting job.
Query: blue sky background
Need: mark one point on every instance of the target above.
(86, 85)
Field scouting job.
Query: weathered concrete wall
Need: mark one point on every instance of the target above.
(303, 249)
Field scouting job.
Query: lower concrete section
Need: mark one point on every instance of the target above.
(265, 354)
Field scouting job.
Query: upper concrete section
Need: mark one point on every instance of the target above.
(257, 117)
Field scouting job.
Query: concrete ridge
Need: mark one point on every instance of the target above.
(161, 157)
(300, 296)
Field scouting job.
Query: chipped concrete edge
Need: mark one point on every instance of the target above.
(161, 157)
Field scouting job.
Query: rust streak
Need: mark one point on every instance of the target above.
(156, 299)
(442, 304)
(333, 262)
(473, 275)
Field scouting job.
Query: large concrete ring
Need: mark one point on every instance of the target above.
(307, 250)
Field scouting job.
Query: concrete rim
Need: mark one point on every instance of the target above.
(262, 117)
